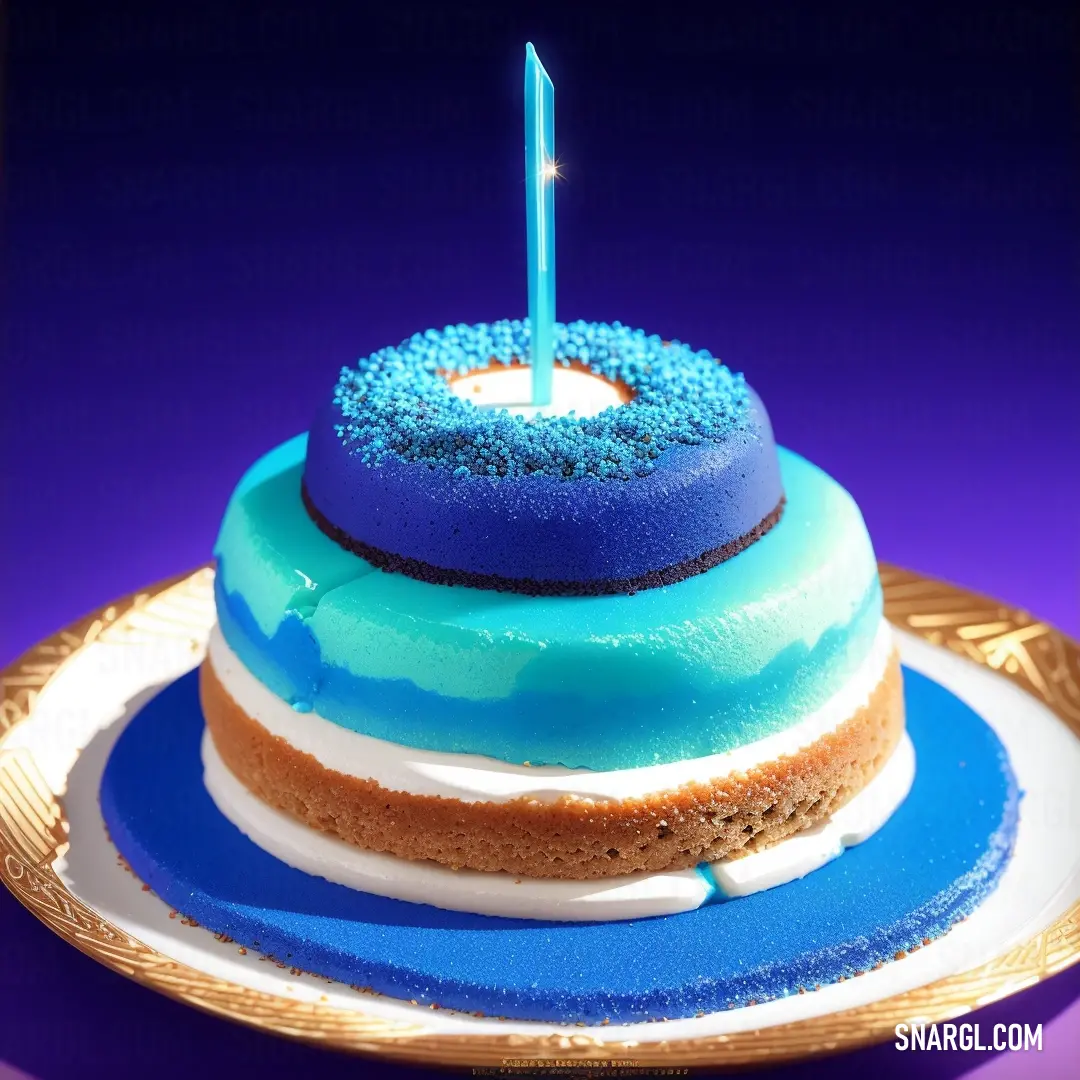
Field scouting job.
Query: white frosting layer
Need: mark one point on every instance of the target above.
(472, 778)
(632, 896)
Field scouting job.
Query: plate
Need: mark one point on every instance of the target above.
(67, 699)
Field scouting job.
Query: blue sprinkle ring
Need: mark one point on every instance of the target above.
(398, 403)
(419, 481)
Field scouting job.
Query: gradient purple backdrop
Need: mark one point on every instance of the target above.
(873, 213)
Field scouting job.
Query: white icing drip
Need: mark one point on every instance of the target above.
(472, 778)
(636, 895)
(811, 848)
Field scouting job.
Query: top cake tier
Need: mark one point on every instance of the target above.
(417, 479)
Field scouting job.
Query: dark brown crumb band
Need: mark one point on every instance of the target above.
(437, 575)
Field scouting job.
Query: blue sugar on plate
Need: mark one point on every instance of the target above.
(938, 857)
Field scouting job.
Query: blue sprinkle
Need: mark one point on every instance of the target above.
(397, 403)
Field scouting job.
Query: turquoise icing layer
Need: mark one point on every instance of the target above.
(718, 660)
(279, 562)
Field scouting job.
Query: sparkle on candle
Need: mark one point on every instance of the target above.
(541, 170)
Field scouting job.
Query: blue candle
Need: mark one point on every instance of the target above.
(540, 173)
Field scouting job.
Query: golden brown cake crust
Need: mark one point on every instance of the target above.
(569, 838)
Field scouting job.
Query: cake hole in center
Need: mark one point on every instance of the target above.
(509, 386)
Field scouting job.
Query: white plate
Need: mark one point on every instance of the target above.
(61, 740)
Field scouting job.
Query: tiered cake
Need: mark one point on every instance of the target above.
(636, 639)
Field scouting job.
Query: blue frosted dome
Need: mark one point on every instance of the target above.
(419, 481)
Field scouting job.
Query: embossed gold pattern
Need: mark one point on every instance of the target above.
(33, 833)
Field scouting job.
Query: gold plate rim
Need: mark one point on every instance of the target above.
(33, 833)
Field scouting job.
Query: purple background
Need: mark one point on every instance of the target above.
(872, 210)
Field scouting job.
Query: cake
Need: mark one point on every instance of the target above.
(545, 685)
(630, 638)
